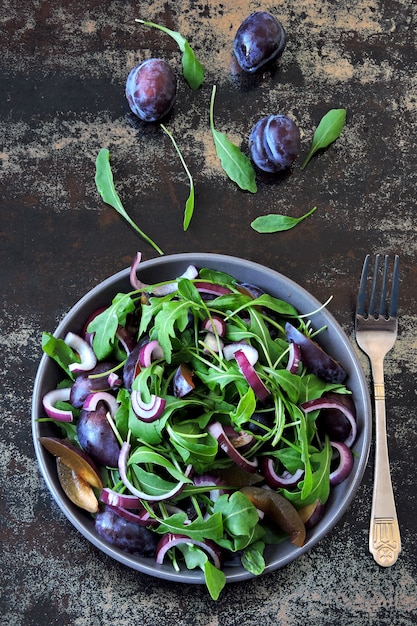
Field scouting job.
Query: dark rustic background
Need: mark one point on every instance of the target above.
(63, 71)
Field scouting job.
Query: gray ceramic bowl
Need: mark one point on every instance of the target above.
(333, 340)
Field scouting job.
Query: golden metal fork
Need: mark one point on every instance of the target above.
(376, 332)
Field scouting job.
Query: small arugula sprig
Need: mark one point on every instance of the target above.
(189, 205)
(274, 222)
(107, 190)
(328, 130)
(192, 69)
(236, 164)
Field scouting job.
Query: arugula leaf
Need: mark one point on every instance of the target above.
(328, 130)
(105, 325)
(189, 205)
(172, 314)
(196, 557)
(290, 383)
(236, 164)
(215, 579)
(274, 222)
(239, 514)
(58, 350)
(107, 190)
(194, 446)
(245, 409)
(199, 529)
(193, 70)
(320, 485)
(252, 558)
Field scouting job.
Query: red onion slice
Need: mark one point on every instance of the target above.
(159, 290)
(85, 351)
(114, 498)
(147, 411)
(211, 288)
(51, 398)
(345, 465)
(294, 358)
(114, 380)
(122, 465)
(330, 403)
(91, 401)
(171, 540)
(274, 480)
(150, 351)
(142, 519)
(251, 375)
(126, 339)
(212, 343)
(250, 352)
(214, 483)
(215, 324)
(216, 430)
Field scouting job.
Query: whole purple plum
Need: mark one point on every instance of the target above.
(151, 89)
(274, 143)
(260, 39)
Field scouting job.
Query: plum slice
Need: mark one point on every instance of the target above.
(74, 458)
(315, 359)
(76, 488)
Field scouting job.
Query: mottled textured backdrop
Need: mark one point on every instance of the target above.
(63, 70)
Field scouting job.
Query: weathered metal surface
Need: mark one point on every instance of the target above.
(63, 69)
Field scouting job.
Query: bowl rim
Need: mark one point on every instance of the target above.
(79, 518)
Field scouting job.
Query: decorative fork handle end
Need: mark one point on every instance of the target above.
(384, 540)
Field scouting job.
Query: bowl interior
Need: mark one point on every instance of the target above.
(333, 340)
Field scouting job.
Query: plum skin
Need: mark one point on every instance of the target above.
(124, 534)
(96, 436)
(274, 143)
(151, 89)
(260, 39)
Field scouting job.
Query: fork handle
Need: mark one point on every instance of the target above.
(384, 533)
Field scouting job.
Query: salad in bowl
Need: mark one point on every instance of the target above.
(201, 418)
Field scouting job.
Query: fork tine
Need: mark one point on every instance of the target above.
(393, 311)
(360, 302)
(383, 306)
(372, 305)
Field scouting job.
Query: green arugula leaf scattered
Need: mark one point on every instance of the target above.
(193, 70)
(236, 164)
(274, 222)
(107, 190)
(328, 130)
(189, 206)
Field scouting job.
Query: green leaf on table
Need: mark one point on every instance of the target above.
(236, 164)
(192, 69)
(107, 190)
(274, 222)
(328, 130)
(189, 205)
